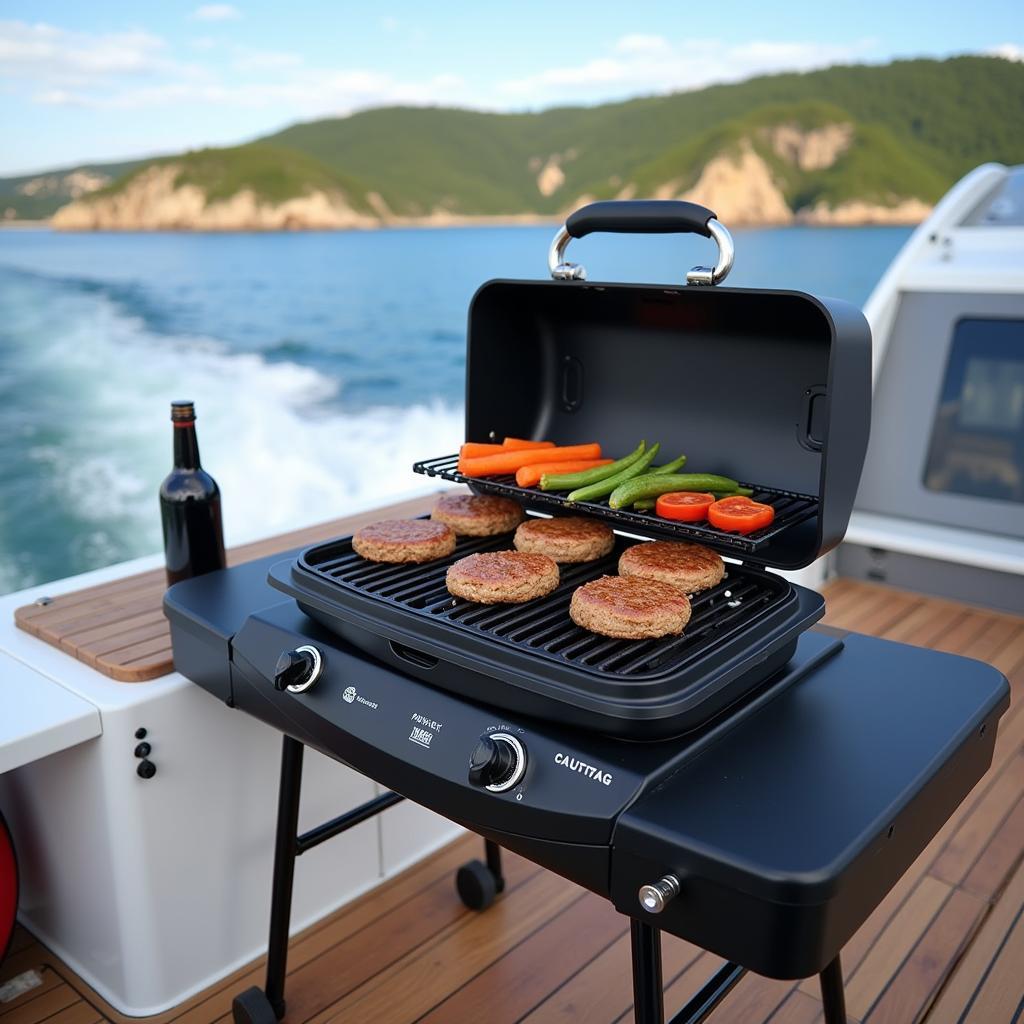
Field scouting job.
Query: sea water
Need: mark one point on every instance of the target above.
(322, 364)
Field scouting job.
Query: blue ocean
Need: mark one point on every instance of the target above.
(322, 365)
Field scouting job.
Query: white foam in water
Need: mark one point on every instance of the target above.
(282, 458)
(283, 453)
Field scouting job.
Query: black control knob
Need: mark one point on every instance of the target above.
(497, 763)
(146, 769)
(298, 670)
(491, 762)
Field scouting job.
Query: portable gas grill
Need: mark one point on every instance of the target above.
(753, 786)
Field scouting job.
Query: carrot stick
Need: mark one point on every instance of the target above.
(476, 450)
(509, 462)
(518, 444)
(529, 476)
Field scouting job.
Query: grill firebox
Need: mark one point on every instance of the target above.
(543, 627)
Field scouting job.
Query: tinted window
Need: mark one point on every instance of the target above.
(977, 442)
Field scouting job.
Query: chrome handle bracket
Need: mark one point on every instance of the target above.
(557, 265)
(726, 256)
(562, 270)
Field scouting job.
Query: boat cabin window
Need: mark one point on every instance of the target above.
(977, 441)
(1005, 209)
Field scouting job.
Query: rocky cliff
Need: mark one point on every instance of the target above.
(156, 200)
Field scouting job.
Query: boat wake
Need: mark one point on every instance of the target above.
(85, 382)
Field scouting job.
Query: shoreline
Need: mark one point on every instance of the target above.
(417, 223)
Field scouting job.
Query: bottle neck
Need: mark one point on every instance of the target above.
(186, 446)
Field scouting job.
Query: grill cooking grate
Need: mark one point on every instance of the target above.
(790, 508)
(543, 626)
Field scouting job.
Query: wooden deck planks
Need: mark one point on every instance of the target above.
(119, 628)
(946, 946)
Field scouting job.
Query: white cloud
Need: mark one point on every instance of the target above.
(652, 64)
(637, 42)
(303, 91)
(59, 98)
(1008, 51)
(44, 52)
(216, 12)
(447, 81)
(247, 59)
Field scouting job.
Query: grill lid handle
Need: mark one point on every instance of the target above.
(643, 217)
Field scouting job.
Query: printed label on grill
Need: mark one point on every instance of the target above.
(589, 771)
(350, 696)
(421, 736)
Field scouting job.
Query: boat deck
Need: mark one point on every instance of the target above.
(945, 946)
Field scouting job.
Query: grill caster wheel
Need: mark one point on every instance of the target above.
(253, 1007)
(476, 885)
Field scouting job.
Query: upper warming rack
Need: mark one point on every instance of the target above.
(791, 509)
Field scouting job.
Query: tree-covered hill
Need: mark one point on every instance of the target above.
(879, 135)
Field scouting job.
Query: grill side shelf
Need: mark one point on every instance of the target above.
(791, 508)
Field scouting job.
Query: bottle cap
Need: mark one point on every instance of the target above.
(183, 412)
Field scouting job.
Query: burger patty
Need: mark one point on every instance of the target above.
(565, 539)
(690, 567)
(494, 577)
(404, 540)
(630, 608)
(478, 515)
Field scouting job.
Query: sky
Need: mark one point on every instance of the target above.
(101, 80)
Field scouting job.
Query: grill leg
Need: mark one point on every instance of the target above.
(284, 872)
(493, 853)
(832, 995)
(648, 997)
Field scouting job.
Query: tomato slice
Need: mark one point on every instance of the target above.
(739, 514)
(687, 506)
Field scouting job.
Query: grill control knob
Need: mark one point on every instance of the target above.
(498, 762)
(296, 671)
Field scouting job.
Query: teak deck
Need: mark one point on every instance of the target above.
(945, 946)
(119, 629)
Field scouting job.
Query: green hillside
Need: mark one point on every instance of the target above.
(912, 128)
(920, 125)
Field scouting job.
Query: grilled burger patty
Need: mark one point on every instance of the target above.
(690, 567)
(565, 539)
(494, 577)
(478, 515)
(630, 608)
(404, 540)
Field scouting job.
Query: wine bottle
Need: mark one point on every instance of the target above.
(190, 505)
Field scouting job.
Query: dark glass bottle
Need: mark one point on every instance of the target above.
(190, 505)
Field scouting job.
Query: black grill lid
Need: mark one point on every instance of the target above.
(765, 386)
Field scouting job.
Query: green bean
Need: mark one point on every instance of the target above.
(647, 504)
(570, 481)
(652, 484)
(670, 467)
(603, 487)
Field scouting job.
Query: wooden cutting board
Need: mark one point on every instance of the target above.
(119, 628)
